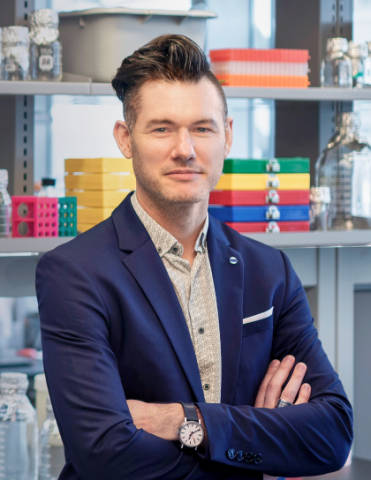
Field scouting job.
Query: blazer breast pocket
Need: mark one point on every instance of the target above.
(257, 323)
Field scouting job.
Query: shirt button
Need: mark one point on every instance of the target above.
(231, 453)
(239, 456)
(206, 386)
(201, 330)
(258, 458)
(233, 260)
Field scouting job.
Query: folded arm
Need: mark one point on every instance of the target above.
(301, 440)
(88, 398)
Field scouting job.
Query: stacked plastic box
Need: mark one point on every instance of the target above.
(270, 195)
(99, 184)
(34, 216)
(246, 67)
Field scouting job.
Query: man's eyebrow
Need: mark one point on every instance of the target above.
(206, 120)
(156, 121)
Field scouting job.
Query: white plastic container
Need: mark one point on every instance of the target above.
(41, 390)
(95, 41)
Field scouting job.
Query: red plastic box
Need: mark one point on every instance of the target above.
(35, 216)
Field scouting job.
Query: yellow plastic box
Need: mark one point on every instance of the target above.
(98, 165)
(100, 181)
(245, 181)
(98, 198)
(93, 215)
(83, 227)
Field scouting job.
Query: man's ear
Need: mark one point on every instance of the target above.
(121, 133)
(228, 136)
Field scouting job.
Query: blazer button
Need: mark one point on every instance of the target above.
(249, 457)
(231, 453)
(240, 455)
(233, 260)
(258, 458)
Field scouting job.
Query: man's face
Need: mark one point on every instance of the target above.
(179, 141)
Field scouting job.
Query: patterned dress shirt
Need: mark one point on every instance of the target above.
(194, 287)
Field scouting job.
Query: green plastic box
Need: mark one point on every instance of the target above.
(267, 165)
(67, 216)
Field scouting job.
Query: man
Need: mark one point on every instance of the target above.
(160, 304)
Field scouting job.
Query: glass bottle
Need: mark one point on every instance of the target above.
(358, 54)
(47, 188)
(345, 167)
(18, 429)
(15, 53)
(45, 48)
(5, 206)
(336, 68)
(51, 450)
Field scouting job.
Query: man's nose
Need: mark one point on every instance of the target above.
(184, 147)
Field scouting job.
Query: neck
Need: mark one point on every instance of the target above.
(184, 221)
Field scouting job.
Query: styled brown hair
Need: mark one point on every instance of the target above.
(168, 57)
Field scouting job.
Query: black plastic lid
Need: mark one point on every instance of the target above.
(48, 182)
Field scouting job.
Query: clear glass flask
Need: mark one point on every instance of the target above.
(5, 206)
(336, 68)
(18, 429)
(345, 167)
(45, 47)
(51, 450)
(15, 53)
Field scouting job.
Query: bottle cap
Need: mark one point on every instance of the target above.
(357, 50)
(13, 381)
(44, 26)
(48, 182)
(15, 35)
(4, 177)
(337, 44)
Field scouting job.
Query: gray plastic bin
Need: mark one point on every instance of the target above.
(95, 41)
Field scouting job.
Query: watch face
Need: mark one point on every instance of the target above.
(191, 434)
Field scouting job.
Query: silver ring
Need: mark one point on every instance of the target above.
(282, 403)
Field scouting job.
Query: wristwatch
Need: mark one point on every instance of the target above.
(191, 432)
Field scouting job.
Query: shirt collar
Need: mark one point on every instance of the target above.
(162, 239)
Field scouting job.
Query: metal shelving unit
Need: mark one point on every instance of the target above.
(78, 85)
(13, 247)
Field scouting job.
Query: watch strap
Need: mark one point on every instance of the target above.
(190, 412)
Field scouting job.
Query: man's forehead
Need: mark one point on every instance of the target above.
(200, 99)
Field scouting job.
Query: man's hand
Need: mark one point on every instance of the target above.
(160, 419)
(271, 387)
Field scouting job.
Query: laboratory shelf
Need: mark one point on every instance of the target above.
(10, 247)
(358, 470)
(317, 239)
(78, 85)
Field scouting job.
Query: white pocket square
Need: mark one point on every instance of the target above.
(259, 316)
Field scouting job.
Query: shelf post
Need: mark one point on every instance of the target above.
(17, 116)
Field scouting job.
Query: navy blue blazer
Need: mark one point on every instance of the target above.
(112, 329)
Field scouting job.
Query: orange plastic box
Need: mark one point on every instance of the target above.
(35, 216)
(263, 81)
(259, 55)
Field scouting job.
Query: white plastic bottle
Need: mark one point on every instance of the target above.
(51, 450)
(47, 188)
(18, 429)
(5, 206)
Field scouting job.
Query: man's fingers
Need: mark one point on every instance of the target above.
(304, 394)
(292, 388)
(274, 387)
(259, 402)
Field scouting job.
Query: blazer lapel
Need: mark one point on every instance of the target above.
(146, 266)
(229, 286)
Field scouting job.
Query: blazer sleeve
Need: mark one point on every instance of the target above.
(84, 384)
(299, 440)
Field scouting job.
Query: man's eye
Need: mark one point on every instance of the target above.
(161, 130)
(202, 129)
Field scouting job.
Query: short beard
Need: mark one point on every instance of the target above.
(157, 193)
